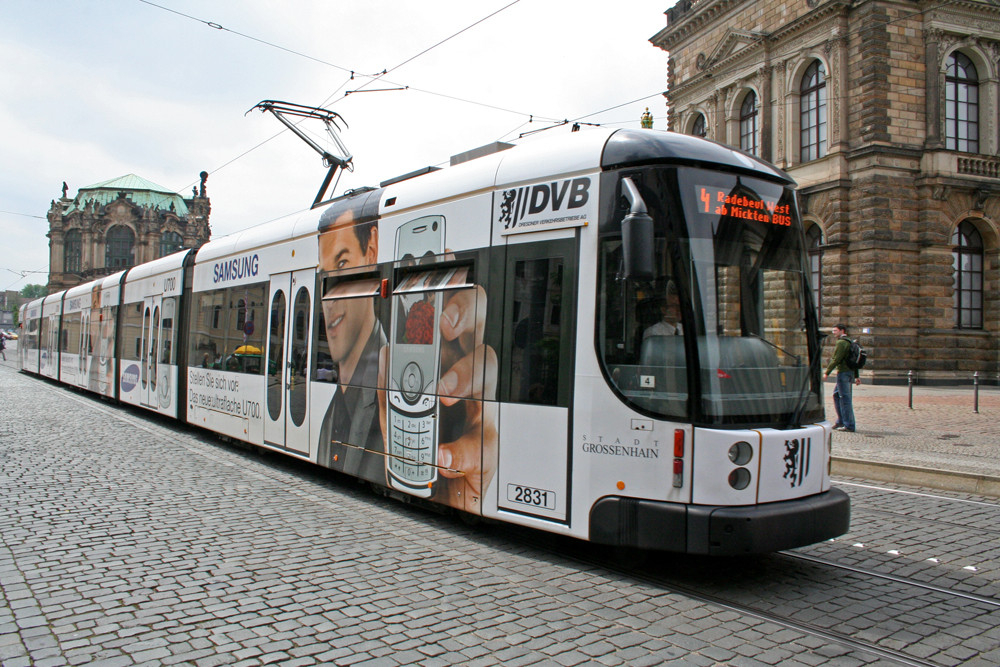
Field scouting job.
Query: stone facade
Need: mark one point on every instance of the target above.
(887, 193)
(154, 220)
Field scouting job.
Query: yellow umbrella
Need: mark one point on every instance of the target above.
(247, 349)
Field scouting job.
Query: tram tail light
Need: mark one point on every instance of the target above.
(678, 458)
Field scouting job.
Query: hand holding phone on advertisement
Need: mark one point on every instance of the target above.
(468, 376)
(472, 375)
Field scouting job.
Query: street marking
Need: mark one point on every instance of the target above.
(922, 495)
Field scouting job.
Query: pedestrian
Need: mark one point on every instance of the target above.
(3, 345)
(842, 399)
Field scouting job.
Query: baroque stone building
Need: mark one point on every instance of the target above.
(886, 114)
(119, 223)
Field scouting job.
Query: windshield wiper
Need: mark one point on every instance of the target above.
(803, 392)
(797, 358)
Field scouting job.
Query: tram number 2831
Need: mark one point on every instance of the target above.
(526, 495)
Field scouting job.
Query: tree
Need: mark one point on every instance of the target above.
(33, 291)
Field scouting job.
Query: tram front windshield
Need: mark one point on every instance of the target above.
(724, 331)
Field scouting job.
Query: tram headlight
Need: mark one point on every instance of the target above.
(739, 479)
(741, 453)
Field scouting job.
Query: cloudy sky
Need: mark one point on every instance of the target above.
(91, 91)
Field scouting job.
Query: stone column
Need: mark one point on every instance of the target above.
(932, 61)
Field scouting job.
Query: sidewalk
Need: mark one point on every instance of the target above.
(941, 442)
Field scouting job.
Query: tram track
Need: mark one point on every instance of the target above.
(601, 557)
(981, 599)
(750, 586)
(901, 516)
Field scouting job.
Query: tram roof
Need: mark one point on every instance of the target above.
(555, 156)
(157, 266)
(289, 227)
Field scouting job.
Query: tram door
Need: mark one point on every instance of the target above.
(83, 365)
(286, 422)
(536, 372)
(149, 368)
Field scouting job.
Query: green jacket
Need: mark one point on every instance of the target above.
(839, 360)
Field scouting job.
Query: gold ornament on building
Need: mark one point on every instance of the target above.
(647, 120)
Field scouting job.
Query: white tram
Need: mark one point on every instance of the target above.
(606, 334)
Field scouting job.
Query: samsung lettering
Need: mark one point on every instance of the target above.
(235, 269)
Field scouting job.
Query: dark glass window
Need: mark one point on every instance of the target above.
(72, 251)
(537, 331)
(814, 243)
(119, 248)
(967, 258)
(170, 243)
(699, 129)
(961, 104)
(748, 123)
(812, 113)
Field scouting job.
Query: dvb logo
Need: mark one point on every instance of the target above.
(531, 200)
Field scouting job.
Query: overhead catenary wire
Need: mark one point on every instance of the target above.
(377, 77)
(352, 72)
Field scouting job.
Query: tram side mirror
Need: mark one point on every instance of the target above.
(637, 236)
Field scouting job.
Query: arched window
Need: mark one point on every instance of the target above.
(812, 113)
(118, 248)
(748, 123)
(967, 261)
(699, 129)
(72, 251)
(814, 244)
(961, 85)
(170, 243)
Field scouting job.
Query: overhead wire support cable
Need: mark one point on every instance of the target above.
(374, 90)
(468, 27)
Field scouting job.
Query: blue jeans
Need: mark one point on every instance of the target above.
(842, 400)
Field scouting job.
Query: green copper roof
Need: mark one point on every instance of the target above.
(138, 189)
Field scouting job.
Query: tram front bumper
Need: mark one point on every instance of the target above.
(720, 531)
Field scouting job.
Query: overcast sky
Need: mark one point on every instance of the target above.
(91, 91)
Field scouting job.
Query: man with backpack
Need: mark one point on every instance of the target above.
(846, 375)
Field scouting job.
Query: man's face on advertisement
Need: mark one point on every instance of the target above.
(347, 320)
(339, 247)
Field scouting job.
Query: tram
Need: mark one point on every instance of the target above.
(606, 334)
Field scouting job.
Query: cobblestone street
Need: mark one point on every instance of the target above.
(126, 540)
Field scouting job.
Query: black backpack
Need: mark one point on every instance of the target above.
(856, 356)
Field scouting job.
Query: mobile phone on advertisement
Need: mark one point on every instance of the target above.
(414, 359)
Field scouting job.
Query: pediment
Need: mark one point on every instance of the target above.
(732, 43)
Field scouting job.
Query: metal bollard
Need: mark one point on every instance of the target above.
(975, 383)
(909, 384)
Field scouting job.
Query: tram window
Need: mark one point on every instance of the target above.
(72, 324)
(167, 326)
(132, 331)
(229, 334)
(539, 344)
(348, 300)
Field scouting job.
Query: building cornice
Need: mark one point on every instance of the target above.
(835, 8)
(689, 16)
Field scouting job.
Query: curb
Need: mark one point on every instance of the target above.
(944, 480)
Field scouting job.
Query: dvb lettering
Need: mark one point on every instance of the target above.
(534, 199)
